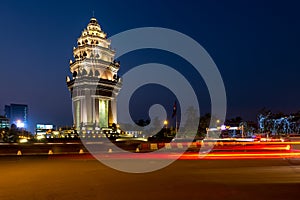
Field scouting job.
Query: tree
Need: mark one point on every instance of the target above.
(156, 126)
(192, 121)
(203, 124)
(12, 134)
(234, 121)
(142, 122)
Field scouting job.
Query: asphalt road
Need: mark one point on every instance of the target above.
(56, 177)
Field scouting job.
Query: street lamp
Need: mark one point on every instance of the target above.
(166, 123)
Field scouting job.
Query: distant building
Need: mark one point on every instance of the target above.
(17, 114)
(4, 122)
(95, 81)
(42, 129)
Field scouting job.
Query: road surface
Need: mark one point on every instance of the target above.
(81, 177)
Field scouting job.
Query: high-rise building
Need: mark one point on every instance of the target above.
(17, 114)
(4, 122)
(94, 83)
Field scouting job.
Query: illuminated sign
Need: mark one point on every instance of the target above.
(44, 126)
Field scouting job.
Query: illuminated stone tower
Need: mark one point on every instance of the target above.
(95, 82)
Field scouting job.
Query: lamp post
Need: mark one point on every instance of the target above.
(166, 124)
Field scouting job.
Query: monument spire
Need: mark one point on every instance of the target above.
(95, 81)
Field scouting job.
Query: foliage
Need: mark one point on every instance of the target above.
(12, 134)
(191, 123)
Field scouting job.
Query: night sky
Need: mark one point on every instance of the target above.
(255, 45)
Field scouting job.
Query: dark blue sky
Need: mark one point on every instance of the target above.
(255, 45)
